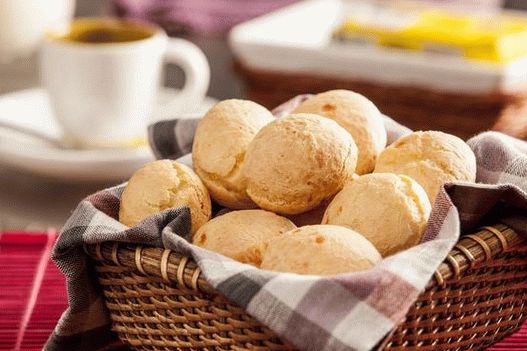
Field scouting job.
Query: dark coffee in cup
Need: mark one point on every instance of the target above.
(104, 31)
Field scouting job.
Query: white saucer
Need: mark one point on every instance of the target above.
(30, 108)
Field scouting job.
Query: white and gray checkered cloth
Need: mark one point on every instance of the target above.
(352, 311)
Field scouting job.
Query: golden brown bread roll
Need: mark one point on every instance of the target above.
(320, 250)
(296, 162)
(390, 210)
(358, 115)
(160, 185)
(220, 143)
(242, 235)
(431, 158)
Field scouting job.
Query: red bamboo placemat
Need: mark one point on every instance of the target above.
(33, 294)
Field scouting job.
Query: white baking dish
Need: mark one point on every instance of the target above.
(297, 39)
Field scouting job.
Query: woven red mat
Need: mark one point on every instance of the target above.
(33, 294)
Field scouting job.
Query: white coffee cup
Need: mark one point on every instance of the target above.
(102, 93)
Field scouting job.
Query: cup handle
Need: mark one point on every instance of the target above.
(194, 63)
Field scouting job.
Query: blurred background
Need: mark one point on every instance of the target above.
(209, 34)
(276, 57)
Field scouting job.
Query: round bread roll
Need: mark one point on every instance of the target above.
(297, 161)
(220, 143)
(431, 158)
(160, 185)
(358, 115)
(320, 250)
(390, 210)
(242, 235)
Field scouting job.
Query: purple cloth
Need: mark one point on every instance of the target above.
(202, 16)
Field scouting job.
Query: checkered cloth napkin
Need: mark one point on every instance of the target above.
(352, 311)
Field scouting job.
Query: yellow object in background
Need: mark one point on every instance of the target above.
(498, 38)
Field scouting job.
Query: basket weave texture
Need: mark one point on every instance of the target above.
(418, 108)
(159, 301)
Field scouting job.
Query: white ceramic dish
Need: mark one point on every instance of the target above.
(297, 39)
(30, 108)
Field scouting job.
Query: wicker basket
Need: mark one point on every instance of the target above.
(417, 108)
(159, 301)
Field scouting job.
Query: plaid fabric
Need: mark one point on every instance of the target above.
(352, 311)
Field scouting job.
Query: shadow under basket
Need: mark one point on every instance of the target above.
(418, 108)
(158, 300)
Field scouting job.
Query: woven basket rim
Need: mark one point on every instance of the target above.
(470, 252)
(248, 71)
